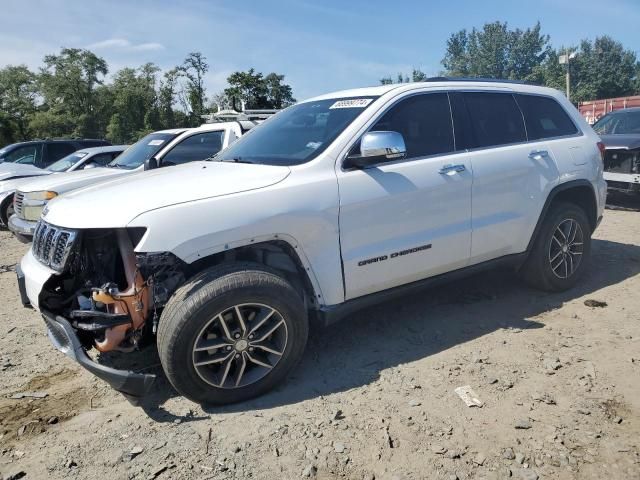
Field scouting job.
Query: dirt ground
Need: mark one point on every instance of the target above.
(374, 396)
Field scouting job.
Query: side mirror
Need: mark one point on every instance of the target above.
(151, 163)
(377, 147)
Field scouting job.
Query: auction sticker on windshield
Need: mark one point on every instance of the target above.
(156, 142)
(352, 103)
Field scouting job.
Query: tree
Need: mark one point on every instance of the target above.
(18, 93)
(279, 94)
(247, 86)
(496, 52)
(167, 98)
(601, 69)
(193, 69)
(417, 75)
(135, 104)
(68, 84)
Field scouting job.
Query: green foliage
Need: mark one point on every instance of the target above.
(600, 69)
(496, 52)
(193, 70)
(258, 91)
(417, 75)
(18, 92)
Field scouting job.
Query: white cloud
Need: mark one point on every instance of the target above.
(124, 44)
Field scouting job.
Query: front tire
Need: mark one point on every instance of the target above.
(6, 210)
(561, 251)
(231, 334)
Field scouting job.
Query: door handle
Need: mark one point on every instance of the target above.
(452, 169)
(538, 154)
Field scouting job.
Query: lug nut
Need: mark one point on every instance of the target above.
(251, 349)
(228, 347)
(250, 337)
(236, 335)
(237, 355)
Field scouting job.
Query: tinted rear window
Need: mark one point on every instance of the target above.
(544, 117)
(496, 119)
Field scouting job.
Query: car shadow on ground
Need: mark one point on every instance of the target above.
(354, 352)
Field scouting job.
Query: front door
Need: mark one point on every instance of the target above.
(409, 219)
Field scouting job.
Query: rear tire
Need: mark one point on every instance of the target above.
(561, 251)
(231, 334)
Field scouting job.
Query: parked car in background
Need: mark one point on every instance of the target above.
(14, 174)
(42, 153)
(159, 149)
(620, 134)
(335, 203)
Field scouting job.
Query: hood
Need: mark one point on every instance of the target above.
(116, 203)
(17, 170)
(10, 186)
(67, 181)
(625, 141)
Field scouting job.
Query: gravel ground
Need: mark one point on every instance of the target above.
(558, 376)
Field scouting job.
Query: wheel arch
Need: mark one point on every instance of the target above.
(279, 252)
(579, 192)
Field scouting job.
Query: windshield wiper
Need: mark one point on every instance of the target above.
(234, 160)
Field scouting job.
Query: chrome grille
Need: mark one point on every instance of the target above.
(18, 200)
(53, 245)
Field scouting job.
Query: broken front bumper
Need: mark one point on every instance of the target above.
(64, 338)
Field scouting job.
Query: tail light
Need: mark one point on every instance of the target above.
(602, 149)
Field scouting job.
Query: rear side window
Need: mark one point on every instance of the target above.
(425, 123)
(544, 117)
(495, 118)
(195, 147)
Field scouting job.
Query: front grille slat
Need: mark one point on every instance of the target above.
(52, 245)
(18, 200)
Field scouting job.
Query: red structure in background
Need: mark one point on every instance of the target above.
(594, 109)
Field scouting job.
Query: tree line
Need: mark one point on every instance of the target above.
(70, 96)
(601, 68)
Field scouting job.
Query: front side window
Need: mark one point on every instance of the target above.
(544, 117)
(425, 123)
(298, 134)
(142, 150)
(67, 162)
(101, 159)
(195, 147)
(495, 119)
(24, 155)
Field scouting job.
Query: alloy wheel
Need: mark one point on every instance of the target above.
(240, 345)
(566, 248)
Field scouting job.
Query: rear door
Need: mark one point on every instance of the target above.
(511, 176)
(409, 219)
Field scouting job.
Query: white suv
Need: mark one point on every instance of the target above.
(334, 203)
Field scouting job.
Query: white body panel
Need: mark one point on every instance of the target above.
(334, 219)
(394, 207)
(14, 170)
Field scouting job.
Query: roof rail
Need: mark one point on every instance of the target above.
(477, 79)
(233, 115)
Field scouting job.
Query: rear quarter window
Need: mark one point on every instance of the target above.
(544, 117)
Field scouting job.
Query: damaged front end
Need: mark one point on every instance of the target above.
(105, 296)
(622, 169)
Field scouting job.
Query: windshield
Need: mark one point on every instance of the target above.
(618, 123)
(142, 150)
(67, 162)
(297, 134)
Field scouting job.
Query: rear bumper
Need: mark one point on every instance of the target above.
(64, 338)
(23, 229)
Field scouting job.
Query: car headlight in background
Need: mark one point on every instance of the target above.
(34, 203)
(43, 195)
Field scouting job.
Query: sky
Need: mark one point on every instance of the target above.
(320, 46)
